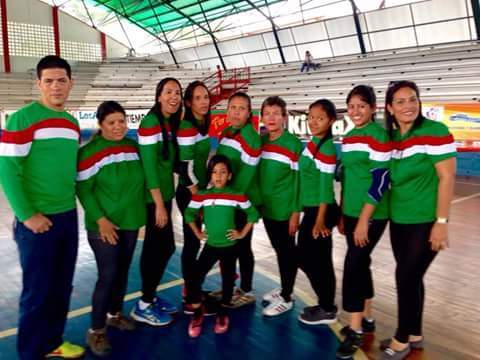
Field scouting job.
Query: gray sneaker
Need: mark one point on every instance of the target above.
(390, 354)
(317, 316)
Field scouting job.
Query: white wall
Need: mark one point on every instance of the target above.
(31, 37)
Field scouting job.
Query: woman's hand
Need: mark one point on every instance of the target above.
(161, 215)
(360, 235)
(319, 229)
(293, 223)
(439, 237)
(107, 231)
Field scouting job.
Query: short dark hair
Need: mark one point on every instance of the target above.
(393, 87)
(241, 94)
(53, 62)
(218, 159)
(275, 100)
(108, 107)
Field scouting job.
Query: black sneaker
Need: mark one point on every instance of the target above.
(350, 344)
(368, 326)
(317, 316)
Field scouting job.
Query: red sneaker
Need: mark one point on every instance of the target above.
(221, 324)
(195, 325)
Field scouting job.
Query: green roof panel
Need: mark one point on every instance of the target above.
(176, 14)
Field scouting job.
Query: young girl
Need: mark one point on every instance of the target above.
(219, 204)
(241, 144)
(314, 249)
(157, 137)
(194, 146)
(366, 152)
(111, 188)
(279, 188)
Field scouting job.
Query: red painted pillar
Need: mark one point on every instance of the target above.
(56, 33)
(103, 45)
(6, 51)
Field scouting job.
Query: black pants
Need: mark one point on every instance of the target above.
(208, 257)
(191, 244)
(245, 253)
(357, 276)
(284, 246)
(158, 248)
(315, 260)
(113, 262)
(413, 255)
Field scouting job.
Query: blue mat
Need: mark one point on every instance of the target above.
(251, 336)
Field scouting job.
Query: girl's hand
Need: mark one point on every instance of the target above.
(319, 229)
(233, 235)
(360, 235)
(161, 216)
(341, 225)
(439, 237)
(107, 231)
(293, 223)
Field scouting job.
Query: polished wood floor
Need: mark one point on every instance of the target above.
(452, 306)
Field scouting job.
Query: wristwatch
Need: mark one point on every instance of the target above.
(442, 220)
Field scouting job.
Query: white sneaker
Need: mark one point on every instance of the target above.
(278, 307)
(272, 295)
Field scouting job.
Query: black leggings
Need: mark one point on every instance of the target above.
(208, 257)
(284, 246)
(191, 244)
(158, 248)
(245, 253)
(413, 255)
(315, 259)
(357, 277)
(113, 262)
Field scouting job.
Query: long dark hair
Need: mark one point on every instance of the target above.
(331, 111)
(187, 102)
(366, 93)
(241, 94)
(393, 87)
(174, 119)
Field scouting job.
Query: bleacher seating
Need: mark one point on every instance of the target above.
(445, 73)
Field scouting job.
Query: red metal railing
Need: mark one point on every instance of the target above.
(222, 84)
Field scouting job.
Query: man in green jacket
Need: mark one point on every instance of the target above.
(38, 156)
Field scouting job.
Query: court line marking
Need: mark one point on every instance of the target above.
(309, 301)
(456, 201)
(305, 297)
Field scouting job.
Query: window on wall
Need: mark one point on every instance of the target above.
(72, 50)
(30, 40)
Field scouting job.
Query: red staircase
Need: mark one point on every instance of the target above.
(222, 84)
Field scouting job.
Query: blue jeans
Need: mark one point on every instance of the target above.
(48, 263)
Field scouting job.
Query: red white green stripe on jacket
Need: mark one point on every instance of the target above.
(38, 157)
(414, 189)
(278, 176)
(111, 155)
(323, 162)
